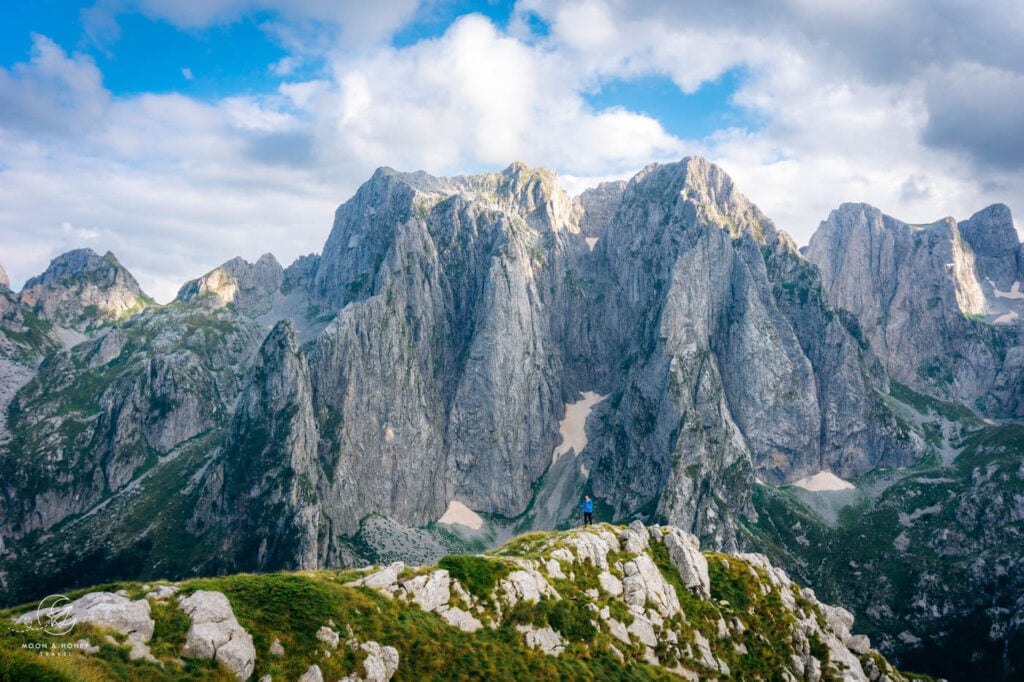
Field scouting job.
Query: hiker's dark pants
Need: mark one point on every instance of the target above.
(587, 517)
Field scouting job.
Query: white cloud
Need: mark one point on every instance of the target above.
(187, 74)
(175, 186)
(53, 92)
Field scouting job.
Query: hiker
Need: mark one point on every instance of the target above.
(588, 510)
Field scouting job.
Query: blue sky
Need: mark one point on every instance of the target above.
(181, 133)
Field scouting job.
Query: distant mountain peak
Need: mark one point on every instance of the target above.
(81, 289)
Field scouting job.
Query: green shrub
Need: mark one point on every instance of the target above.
(477, 574)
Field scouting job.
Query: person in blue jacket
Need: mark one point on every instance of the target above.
(588, 510)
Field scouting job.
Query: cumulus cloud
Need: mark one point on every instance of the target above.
(53, 92)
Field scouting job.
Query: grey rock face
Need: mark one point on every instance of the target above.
(993, 239)
(684, 550)
(271, 471)
(82, 289)
(918, 294)
(250, 287)
(215, 633)
(450, 308)
(718, 380)
(5, 283)
(122, 400)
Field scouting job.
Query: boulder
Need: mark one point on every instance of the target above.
(312, 674)
(381, 661)
(328, 637)
(461, 619)
(859, 644)
(684, 551)
(103, 609)
(644, 583)
(385, 579)
(525, 585)
(216, 633)
(431, 591)
(545, 639)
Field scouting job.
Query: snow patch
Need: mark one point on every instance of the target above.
(1013, 293)
(572, 428)
(824, 480)
(1006, 318)
(591, 242)
(458, 513)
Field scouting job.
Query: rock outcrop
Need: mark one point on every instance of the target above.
(670, 604)
(215, 633)
(102, 609)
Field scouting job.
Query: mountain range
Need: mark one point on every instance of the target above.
(469, 356)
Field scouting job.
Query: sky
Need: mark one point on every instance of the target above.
(181, 133)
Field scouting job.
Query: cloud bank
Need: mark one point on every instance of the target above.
(914, 108)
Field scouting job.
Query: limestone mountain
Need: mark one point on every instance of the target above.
(415, 389)
(940, 304)
(82, 289)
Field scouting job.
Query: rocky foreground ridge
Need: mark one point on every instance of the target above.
(604, 602)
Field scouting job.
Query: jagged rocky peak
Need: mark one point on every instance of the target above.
(990, 232)
(5, 283)
(423, 213)
(82, 290)
(867, 257)
(708, 193)
(533, 193)
(997, 250)
(922, 297)
(248, 286)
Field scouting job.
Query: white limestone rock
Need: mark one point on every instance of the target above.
(104, 609)
(216, 633)
(312, 674)
(591, 545)
(644, 583)
(524, 585)
(545, 639)
(430, 591)
(327, 636)
(381, 661)
(386, 579)
(609, 583)
(461, 619)
(684, 551)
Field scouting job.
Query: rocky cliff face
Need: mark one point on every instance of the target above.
(271, 473)
(928, 304)
(724, 339)
(453, 320)
(451, 309)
